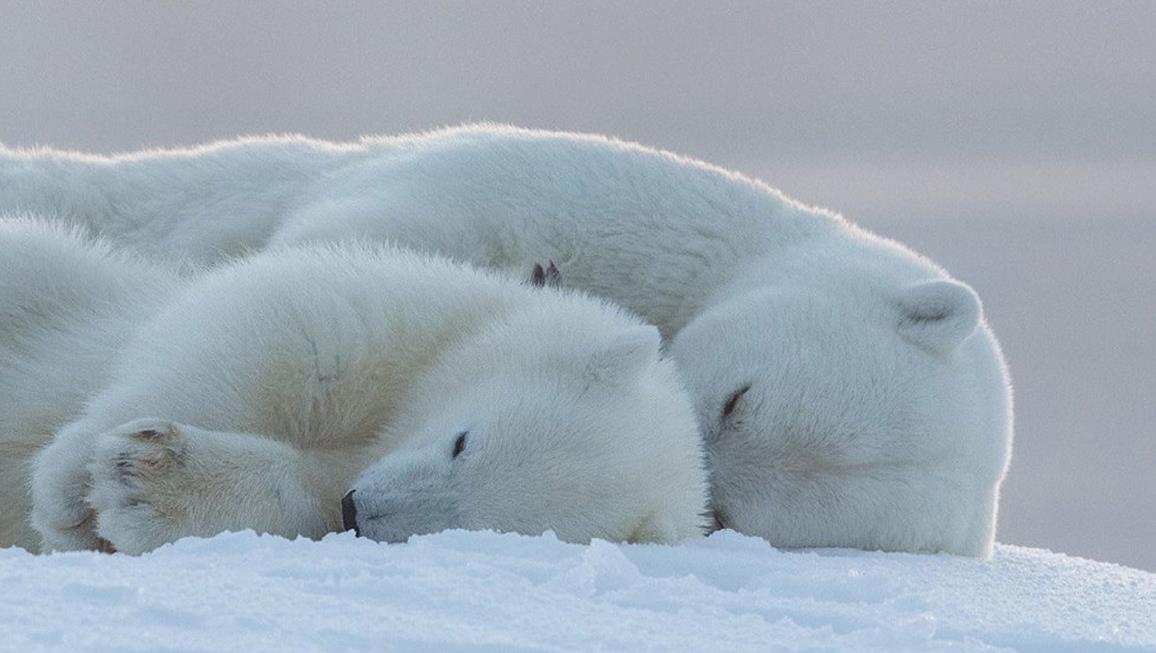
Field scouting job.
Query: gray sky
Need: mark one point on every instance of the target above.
(1014, 142)
(1021, 100)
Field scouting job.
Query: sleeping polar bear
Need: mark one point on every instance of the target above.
(849, 391)
(258, 395)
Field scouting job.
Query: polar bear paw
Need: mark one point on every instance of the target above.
(137, 485)
(60, 514)
(68, 526)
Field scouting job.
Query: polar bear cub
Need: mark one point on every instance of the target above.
(66, 307)
(262, 393)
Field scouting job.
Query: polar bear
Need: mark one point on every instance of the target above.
(65, 308)
(850, 392)
(260, 394)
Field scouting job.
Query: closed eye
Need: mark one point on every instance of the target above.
(460, 444)
(732, 402)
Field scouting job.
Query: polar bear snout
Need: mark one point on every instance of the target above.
(403, 494)
(349, 514)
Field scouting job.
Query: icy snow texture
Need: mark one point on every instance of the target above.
(482, 591)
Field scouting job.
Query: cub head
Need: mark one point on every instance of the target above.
(586, 434)
(852, 405)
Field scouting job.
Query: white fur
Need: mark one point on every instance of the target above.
(879, 414)
(259, 394)
(65, 310)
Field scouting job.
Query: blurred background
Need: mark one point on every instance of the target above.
(1014, 143)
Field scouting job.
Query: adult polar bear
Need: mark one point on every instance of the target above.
(850, 392)
(444, 397)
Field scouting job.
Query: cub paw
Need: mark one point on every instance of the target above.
(136, 484)
(60, 514)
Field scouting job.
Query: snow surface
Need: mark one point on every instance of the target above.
(471, 591)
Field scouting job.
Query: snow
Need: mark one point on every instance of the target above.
(476, 591)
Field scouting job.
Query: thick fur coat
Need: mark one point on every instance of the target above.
(849, 391)
(257, 395)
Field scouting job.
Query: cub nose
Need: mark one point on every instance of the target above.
(349, 514)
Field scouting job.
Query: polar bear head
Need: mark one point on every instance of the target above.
(543, 425)
(851, 397)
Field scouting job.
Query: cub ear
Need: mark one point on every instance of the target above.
(549, 276)
(939, 315)
(627, 354)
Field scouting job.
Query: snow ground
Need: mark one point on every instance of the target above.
(461, 591)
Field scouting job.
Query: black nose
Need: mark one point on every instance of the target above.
(349, 514)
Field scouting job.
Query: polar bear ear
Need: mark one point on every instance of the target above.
(939, 315)
(627, 354)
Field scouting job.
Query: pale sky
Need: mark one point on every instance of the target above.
(1040, 105)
